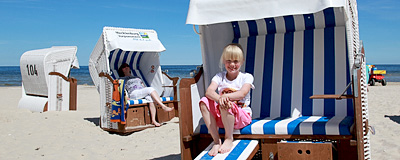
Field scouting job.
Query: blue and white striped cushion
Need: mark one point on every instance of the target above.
(241, 150)
(143, 101)
(304, 125)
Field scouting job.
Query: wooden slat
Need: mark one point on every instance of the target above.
(331, 96)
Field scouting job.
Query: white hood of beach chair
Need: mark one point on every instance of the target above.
(139, 48)
(203, 12)
(36, 65)
(128, 39)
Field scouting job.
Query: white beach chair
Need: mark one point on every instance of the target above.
(309, 79)
(46, 84)
(140, 48)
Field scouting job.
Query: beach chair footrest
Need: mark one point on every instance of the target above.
(242, 149)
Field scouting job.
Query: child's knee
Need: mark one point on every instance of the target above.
(203, 107)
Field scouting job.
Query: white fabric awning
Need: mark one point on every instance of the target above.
(202, 12)
(129, 39)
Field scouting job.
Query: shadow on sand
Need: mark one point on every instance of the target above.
(95, 120)
(394, 118)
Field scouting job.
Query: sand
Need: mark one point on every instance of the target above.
(76, 134)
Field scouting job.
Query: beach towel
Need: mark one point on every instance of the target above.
(119, 102)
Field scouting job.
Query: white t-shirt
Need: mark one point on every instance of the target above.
(224, 84)
(133, 83)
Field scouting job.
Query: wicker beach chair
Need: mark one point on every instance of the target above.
(309, 79)
(140, 49)
(46, 81)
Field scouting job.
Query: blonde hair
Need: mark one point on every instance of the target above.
(232, 51)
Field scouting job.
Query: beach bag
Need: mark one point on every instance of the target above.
(119, 102)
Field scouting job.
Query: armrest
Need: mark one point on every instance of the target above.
(102, 74)
(331, 96)
(59, 74)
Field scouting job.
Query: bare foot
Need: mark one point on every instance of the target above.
(226, 146)
(157, 124)
(214, 150)
(165, 108)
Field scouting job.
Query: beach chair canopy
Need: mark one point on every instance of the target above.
(204, 12)
(36, 65)
(139, 48)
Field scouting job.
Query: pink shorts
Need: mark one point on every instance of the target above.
(242, 118)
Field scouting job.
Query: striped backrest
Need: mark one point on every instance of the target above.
(117, 57)
(294, 57)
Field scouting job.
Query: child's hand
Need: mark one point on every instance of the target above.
(224, 102)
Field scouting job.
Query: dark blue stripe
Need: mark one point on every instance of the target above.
(287, 71)
(329, 14)
(140, 71)
(293, 127)
(269, 127)
(239, 148)
(345, 124)
(329, 65)
(251, 47)
(111, 54)
(124, 60)
(268, 69)
(203, 129)
(308, 72)
(270, 22)
(289, 23)
(320, 125)
(236, 30)
(250, 54)
(109, 61)
(309, 21)
(253, 30)
(308, 65)
(131, 63)
(117, 57)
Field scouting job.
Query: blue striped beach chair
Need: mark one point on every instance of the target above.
(308, 74)
(140, 49)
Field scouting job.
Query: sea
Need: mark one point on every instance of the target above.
(11, 75)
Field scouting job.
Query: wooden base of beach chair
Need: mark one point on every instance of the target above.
(304, 150)
(242, 149)
(163, 116)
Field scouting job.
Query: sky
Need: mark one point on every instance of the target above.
(36, 24)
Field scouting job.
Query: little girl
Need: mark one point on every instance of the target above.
(230, 108)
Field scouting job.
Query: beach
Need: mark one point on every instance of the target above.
(76, 134)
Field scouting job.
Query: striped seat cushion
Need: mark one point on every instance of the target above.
(304, 125)
(143, 101)
(241, 150)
